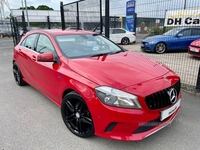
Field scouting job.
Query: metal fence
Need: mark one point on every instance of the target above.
(17, 27)
(85, 13)
(152, 14)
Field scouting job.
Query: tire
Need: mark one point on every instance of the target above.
(1, 36)
(76, 115)
(17, 75)
(160, 48)
(125, 41)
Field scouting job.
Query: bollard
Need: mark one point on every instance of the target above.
(198, 81)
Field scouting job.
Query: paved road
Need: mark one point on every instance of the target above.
(29, 121)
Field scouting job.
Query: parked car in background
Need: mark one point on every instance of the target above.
(5, 32)
(102, 89)
(194, 48)
(73, 28)
(176, 39)
(120, 36)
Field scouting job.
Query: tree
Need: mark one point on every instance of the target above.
(44, 7)
(29, 8)
(40, 7)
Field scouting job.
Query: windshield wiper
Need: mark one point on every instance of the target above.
(109, 53)
(101, 54)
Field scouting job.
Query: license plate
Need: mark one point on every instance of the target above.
(168, 112)
(194, 50)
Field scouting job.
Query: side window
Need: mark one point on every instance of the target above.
(29, 41)
(111, 31)
(118, 31)
(44, 44)
(23, 43)
(186, 32)
(196, 32)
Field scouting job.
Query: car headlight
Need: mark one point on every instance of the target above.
(118, 98)
(152, 42)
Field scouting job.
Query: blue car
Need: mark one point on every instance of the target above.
(175, 39)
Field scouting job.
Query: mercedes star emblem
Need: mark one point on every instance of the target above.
(172, 95)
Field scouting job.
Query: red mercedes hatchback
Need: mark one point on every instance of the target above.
(102, 89)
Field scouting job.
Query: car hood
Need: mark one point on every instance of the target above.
(157, 38)
(118, 70)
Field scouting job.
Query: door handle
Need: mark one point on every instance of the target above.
(33, 57)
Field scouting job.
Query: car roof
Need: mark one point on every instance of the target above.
(189, 27)
(61, 32)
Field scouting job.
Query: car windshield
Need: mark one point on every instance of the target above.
(86, 45)
(172, 32)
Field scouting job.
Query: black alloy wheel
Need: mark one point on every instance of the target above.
(17, 75)
(76, 115)
(125, 41)
(160, 48)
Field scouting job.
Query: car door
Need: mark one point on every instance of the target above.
(45, 73)
(25, 51)
(195, 34)
(185, 39)
(117, 34)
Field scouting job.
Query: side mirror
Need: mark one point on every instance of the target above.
(179, 35)
(46, 57)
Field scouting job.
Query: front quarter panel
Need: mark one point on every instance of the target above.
(68, 79)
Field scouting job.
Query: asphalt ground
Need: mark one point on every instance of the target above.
(30, 121)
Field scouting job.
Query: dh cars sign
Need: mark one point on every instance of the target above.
(187, 17)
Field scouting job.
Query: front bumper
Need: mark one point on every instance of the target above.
(136, 124)
(194, 51)
(147, 47)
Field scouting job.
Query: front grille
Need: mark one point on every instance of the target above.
(161, 99)
(143, 42)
